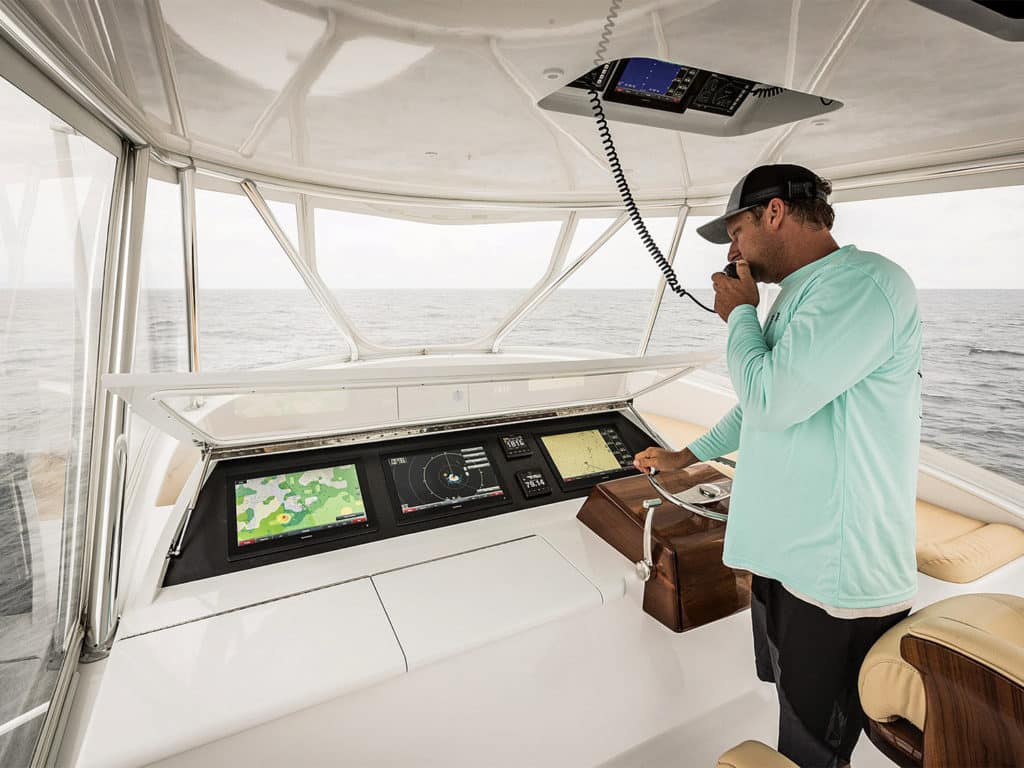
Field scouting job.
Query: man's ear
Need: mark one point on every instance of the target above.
(775, 212)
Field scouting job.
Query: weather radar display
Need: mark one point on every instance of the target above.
(435, 479)
(296, 503)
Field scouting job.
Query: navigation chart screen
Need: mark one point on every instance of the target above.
(436, 479)
(279, 506)
(579, 455)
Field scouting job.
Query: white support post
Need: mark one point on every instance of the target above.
(773, 151)
(310, 277)
(304, 212)
(190, 253)
(537, 298)
(110, 433)
(298, 84)
(555, 262)
(168, 71)
(659, 295)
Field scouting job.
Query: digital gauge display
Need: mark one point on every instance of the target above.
(444, 480)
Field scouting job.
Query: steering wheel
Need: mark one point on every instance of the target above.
(705, 493)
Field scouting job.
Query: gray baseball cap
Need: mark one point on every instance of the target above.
(789, 182)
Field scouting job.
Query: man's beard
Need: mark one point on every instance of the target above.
(770, 253)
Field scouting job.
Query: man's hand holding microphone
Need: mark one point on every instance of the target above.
(730, 292)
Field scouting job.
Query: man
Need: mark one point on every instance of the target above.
(828, 429)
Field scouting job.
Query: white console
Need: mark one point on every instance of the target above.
(448, 606)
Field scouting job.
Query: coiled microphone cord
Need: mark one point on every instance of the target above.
(671, 280)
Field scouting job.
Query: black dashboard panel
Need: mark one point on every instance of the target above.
(397, 487)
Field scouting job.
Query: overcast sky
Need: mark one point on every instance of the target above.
(950, 240)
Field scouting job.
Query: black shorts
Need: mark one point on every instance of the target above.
(814, 660)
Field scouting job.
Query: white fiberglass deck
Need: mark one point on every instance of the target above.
(596, 682)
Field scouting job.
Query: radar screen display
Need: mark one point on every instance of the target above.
(297, 503)
(588, 454)
(433, 480)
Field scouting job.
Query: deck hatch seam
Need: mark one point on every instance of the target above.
(369, 576)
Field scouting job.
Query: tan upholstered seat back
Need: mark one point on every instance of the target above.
(890, 687)
(754, 754)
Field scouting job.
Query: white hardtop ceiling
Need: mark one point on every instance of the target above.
(437, 98)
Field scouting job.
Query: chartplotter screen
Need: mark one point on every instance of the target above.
(296, 503)
(587, 453)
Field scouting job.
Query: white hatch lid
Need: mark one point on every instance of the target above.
(244, 408)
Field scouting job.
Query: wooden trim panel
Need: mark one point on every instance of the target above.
(975, 716)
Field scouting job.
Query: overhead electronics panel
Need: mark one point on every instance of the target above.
(684, 98)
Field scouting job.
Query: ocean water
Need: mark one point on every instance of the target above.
(973, 348)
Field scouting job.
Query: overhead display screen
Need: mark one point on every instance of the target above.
(655, 79)
(585, 454)
(434, 480)
(297, 503)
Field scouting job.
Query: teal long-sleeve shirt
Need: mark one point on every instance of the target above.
(828, 431)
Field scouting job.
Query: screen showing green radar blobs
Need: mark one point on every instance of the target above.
(296, 503)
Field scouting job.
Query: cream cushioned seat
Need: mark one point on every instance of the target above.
(955, 548)
(890, 687)
(754, 754)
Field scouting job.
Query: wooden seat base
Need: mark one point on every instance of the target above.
(898, 740)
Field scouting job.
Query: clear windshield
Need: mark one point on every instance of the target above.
(411, 286)
(413, 283)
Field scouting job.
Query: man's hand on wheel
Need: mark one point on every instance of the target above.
(662, 459)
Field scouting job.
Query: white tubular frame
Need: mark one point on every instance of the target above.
(110, 433)
(187, 189)
(310, 276)
(545, 289)
(659, 295)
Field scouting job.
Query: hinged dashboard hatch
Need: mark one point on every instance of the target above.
(240, 409)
